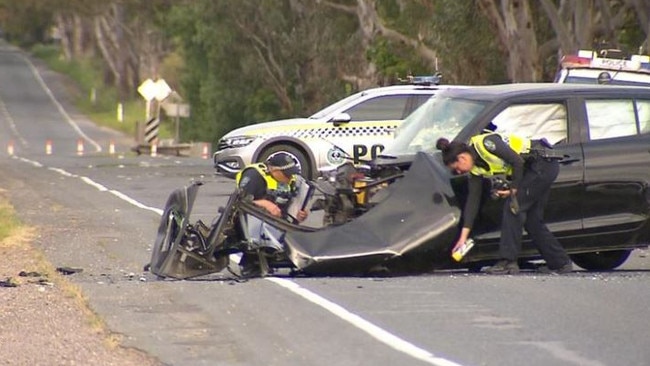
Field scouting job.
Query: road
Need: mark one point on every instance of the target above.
(99, 212)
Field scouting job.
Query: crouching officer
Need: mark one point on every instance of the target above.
(270, 185)
(531, 172)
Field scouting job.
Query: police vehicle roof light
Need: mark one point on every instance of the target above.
(586, 54)
(590, 59)
(434, 79)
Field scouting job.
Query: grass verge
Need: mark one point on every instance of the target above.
(16, 248)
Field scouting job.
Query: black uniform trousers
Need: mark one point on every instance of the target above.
(532, 195)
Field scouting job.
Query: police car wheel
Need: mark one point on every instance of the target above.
(297, 154)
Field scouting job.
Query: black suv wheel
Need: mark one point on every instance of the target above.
(601, 261)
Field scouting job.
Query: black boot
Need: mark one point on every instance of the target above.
(503, 266)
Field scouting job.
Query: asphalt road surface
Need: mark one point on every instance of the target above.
(99, 212)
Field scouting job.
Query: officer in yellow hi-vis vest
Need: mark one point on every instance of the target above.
(269, 185)
(530, 171)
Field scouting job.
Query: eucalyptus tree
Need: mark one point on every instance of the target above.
(523, 28)
(26, 22)
(250, 61)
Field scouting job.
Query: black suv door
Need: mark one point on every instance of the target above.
(617, 170)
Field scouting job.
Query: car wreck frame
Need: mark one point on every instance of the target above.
(411, 239)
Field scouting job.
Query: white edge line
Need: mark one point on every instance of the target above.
(134, 202)
(58, 105)
(376, 332)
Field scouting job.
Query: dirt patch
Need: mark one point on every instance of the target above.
(44, 319)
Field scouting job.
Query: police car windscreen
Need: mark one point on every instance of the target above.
(439, 117)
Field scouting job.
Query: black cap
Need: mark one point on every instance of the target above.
(284, 162)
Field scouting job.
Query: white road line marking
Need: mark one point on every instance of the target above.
(58, 105)
(12, 123)
(376, 332)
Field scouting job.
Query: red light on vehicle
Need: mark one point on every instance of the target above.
(575, 61)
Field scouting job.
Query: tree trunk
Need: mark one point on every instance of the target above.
(79, 37)
(514, 24)
(642, 10)
(63, 25)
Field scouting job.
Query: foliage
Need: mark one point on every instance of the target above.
(253, 61)
(26, 22)
(246, 61)
(466, 57)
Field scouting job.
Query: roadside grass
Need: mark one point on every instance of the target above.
(20, 255)
(96, 100)
(8, 222)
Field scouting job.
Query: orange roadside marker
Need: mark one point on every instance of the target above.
(204, 152)
(80, 147)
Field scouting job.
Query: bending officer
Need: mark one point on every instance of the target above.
(491, 154)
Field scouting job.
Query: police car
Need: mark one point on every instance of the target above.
(355, 129)
(607, 66)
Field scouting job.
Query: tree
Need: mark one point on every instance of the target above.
(515, 27)
(466, 57)
(641, 9)
(26, 22)
(582, 24)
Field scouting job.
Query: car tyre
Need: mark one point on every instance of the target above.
(601, 261)
(297, 154)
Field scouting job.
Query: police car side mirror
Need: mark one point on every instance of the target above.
(341, 118)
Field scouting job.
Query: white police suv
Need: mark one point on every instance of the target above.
(605, 66)
(355, 129)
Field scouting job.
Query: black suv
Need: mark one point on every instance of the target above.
(600, 204)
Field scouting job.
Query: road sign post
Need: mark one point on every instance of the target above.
(153, 91)
(176, 110)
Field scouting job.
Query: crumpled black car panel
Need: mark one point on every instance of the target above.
(418, 219)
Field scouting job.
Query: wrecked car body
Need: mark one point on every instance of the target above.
(408, 231)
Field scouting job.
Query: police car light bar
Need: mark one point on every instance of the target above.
(588, 59)
(423, 80)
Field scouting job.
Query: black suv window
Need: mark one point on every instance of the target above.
(609, 118)
(643, 113)
(535, 121)
(388, 107)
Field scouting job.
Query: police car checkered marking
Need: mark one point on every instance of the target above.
(335, 132)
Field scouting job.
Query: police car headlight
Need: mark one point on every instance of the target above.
(239, 141)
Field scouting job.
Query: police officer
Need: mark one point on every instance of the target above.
(270, 185)
(491, 154)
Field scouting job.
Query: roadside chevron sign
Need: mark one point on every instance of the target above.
(151, 130)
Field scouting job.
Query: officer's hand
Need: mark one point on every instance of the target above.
(274, 209)
(302, 215)
(458, 244)
(506, 193)
(462, 238)
(269, 206)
